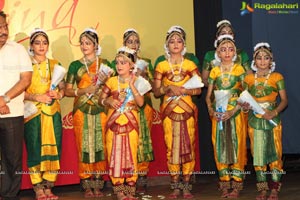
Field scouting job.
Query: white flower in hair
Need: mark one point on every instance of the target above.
(175, 28)
(30, 51)
(99, 50)
(91, 30)
(223, 22)
(261, 44)
(217, 60)
(126, 49)
(254, 68)
(37, 30)
(129, 30)
(167, 51)
(221, 37)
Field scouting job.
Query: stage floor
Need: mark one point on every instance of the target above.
(205, 188)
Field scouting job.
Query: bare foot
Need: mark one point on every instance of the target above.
(273, 195)
(88, 193)
(40, 194)
(50, 195)
(262, 195)
(187, 194)
(174, 194)
(234, 194)
(225, 193)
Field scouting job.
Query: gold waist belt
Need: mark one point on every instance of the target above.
(267, 104)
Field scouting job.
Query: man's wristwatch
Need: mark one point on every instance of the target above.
(6, 98)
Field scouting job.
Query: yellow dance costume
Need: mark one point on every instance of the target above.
(178, 115)
(122, 136)
(43, 130)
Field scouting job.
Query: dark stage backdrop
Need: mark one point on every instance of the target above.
(272, 21)
(275, 22)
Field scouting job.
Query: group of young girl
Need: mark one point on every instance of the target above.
(112, 116)
(230, 127)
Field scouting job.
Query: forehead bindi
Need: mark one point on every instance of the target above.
(40, 38)
(86, 39)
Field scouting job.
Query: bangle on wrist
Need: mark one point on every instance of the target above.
(76, 92)
(102, 102)
(136, 94)
(161, 90)
(60, 96)
(276, 112)
(6, 98)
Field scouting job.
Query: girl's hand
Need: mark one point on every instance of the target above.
(103, 77)
(113, 103)
(54, 94)
(182, 90)
(44, 98)
(132, 79)
(174, 90)
(227, 115)
(92, 89)
(218, 115)
(245, 106)
(143, 73)
(269, 114)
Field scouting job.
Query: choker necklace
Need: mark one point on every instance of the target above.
(226, 67)
(262, 75)
(226, 80)
(123, 80)
(176, 77)
(44, 79)
(266, 79)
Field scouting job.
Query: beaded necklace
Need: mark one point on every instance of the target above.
(178, 77)
(44, 79)
(95, 77)
(97, 65)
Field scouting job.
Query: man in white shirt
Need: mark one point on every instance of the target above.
(15, 76)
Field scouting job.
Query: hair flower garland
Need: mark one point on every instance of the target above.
(224, 21)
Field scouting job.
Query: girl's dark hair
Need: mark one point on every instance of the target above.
(2, 14)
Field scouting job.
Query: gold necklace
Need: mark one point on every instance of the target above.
(176, 77)
(122, 92)
(259, 88)
(226, 80)
(44, 79)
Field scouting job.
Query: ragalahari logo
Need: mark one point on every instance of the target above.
(246, 8)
